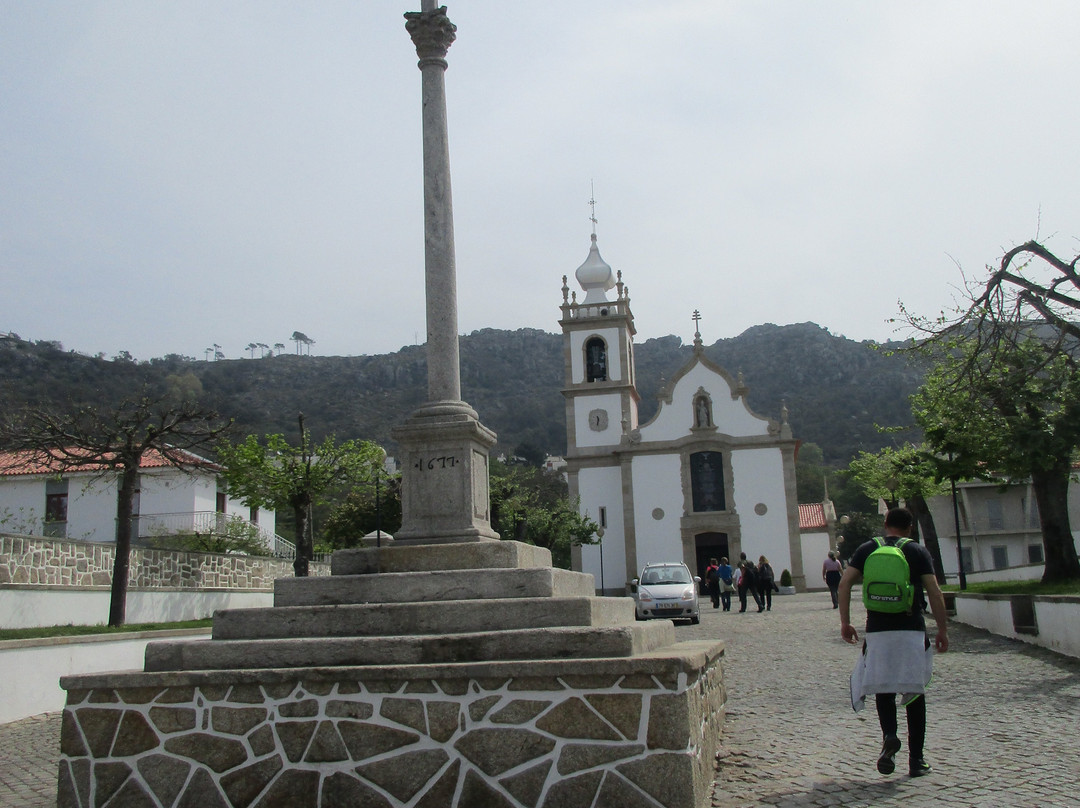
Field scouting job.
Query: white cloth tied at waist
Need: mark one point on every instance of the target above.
(892, 662)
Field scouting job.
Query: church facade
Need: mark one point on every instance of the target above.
(705, 477)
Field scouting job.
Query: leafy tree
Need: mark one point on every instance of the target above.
(279, 475)
(531, 454)
(1010, 408)
(533, 505)
(360, 514)
(810, 473)
(111, 441)
(909, 474)
(232, 535)
(302, 339)
(855, 529)
(1003, 398)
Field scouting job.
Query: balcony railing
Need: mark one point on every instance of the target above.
(212, 524)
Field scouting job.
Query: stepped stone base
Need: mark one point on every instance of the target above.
(469, 675)
(622, 733)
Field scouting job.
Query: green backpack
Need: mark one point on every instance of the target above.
(887, 579)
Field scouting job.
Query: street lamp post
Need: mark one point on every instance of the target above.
(959, 552)
(378, 501)
(600, 535)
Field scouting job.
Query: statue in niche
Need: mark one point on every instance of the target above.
(702, 416)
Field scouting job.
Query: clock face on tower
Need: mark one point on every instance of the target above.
(598, 420)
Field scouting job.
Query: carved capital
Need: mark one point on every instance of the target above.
(431, 31)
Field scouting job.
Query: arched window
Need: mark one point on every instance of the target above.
(707, 481)
(595, 360)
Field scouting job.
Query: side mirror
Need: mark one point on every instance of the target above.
(697, 579)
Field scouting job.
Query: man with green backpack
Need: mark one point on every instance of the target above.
(896, 656)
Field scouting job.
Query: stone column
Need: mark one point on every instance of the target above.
(444, 494)
(432, 34)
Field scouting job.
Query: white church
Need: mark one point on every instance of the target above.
(706, 477)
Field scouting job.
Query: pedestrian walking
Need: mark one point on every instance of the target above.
(712, 582)
(896, 654)
(747, 585)
(831, 571)
(727, 575)
(766, 584)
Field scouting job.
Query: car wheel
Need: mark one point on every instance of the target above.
(695, 620)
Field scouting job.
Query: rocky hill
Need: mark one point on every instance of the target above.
(836, 390)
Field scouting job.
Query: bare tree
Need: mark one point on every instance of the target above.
(1030, 292)
(111, 441)
(1033, 283)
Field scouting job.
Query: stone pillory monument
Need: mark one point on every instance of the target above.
(449, 669)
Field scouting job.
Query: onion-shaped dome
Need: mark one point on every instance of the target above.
(595, 276)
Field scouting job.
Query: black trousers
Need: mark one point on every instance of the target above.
(916, 721)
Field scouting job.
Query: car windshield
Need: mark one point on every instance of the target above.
(665, 575)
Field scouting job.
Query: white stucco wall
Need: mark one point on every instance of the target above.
(586, 436)
(731, 417)
(602, 487)
(92, 509)
(658, 485)
(173, 491)
(577, 353)
(34, 607)
(22, 505)
(1058, 619)
(815, 549)
(758, 477)
(50, 659)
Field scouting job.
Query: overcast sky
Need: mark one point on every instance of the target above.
(175, 175)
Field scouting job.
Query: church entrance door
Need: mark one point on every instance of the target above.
(709, 545)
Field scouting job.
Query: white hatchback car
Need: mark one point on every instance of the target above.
(666, 591)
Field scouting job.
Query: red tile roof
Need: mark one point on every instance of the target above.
(15, 464)
(812, 517)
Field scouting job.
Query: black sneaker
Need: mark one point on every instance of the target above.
(885, 762)
(919, 768)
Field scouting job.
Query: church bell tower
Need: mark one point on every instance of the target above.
(598, 351)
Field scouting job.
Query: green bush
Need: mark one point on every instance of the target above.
(785, 578)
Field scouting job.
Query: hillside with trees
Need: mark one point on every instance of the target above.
(836, 390)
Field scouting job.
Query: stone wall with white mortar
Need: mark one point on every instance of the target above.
(318, 739)
(56, 562)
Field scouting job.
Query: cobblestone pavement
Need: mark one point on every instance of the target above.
(1001, 718)
(1001, 722)
(29, 753)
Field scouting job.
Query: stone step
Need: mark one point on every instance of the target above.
(445, 617)
(431, 557)
(485, 646)
(408, 587)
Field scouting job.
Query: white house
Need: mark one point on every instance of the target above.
(36, 500)
(817, 528)
(705, 477)
(999, 528)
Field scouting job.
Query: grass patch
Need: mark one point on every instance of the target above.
(77, 631)
(1071, 587)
